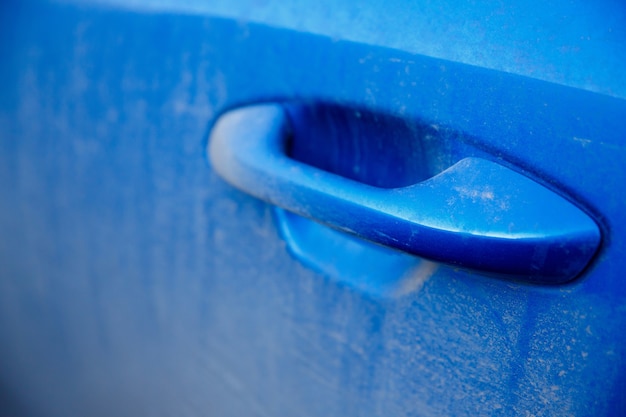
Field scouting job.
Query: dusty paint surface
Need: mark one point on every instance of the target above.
(133, 281)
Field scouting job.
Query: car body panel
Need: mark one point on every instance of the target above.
(135, 281)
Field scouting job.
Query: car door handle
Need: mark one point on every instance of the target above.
(476, 214)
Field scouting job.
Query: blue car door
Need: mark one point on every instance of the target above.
(312, 208)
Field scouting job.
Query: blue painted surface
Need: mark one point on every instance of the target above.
(134, 281)
(569, 42)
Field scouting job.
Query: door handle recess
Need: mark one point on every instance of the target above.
(476, 214)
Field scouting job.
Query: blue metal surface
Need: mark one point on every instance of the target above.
(134, 281)
(475, 214)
